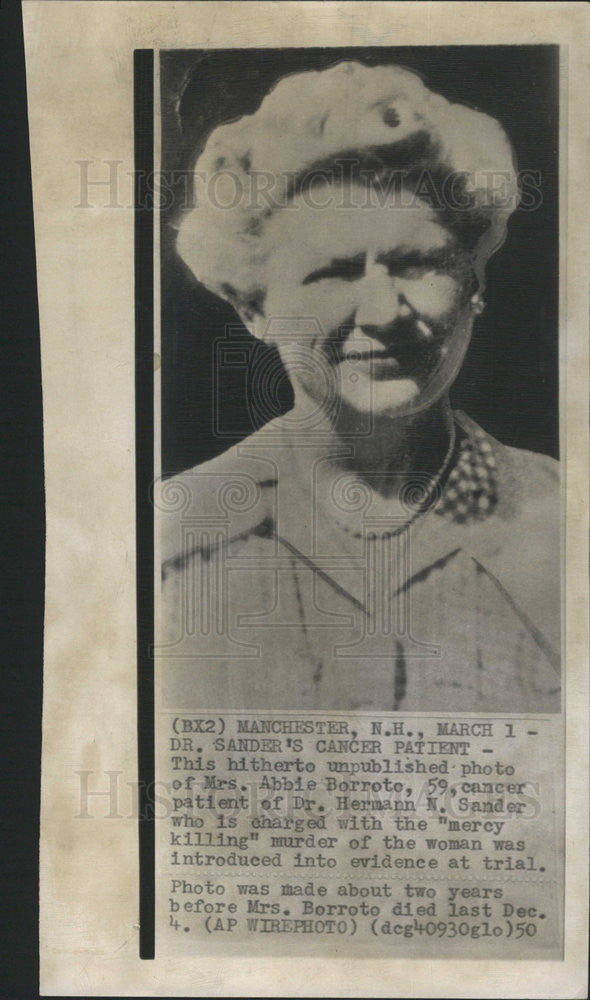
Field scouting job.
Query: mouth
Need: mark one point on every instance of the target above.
(400, 360)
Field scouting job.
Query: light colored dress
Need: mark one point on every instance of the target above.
(281, 589)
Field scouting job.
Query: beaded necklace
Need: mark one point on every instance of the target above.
(470, 491)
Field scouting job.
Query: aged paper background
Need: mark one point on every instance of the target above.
(80, 94)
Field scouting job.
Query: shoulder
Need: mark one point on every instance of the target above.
(528, 481)
(224, 500)
(519, 545)
(530, 470)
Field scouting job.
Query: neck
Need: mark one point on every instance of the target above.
(393, 451)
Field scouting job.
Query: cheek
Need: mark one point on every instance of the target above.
(330, 306)
(435, 295)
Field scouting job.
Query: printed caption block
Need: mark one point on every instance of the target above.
(331, 834)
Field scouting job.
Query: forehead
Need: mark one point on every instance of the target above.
(330, 221)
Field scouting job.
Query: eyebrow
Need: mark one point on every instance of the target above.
(404, 257)
(338, 265)
(435, 256)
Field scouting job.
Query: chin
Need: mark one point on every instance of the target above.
(382, 399)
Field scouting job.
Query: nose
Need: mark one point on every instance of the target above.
(380, 300)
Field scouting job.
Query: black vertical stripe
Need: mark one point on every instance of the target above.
(143, 122)
(400, 676)
(23, 532)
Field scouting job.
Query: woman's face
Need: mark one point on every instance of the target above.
(366, 305)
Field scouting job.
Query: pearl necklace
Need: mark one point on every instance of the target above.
(417, 495)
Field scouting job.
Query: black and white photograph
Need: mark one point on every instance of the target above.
(360, 502)
(311, 395)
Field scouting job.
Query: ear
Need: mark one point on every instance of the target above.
(254, 322)
(250, 309)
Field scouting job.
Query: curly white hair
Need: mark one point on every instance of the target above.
(381, 115)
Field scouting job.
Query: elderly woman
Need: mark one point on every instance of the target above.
(371, 549)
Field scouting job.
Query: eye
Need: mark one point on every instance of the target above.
(414, 272)
(416, 266)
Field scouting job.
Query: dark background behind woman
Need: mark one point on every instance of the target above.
(219, 384)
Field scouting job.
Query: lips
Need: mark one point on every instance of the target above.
(380, 367)
(399, 360)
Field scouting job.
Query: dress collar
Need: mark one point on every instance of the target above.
(484, 509)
